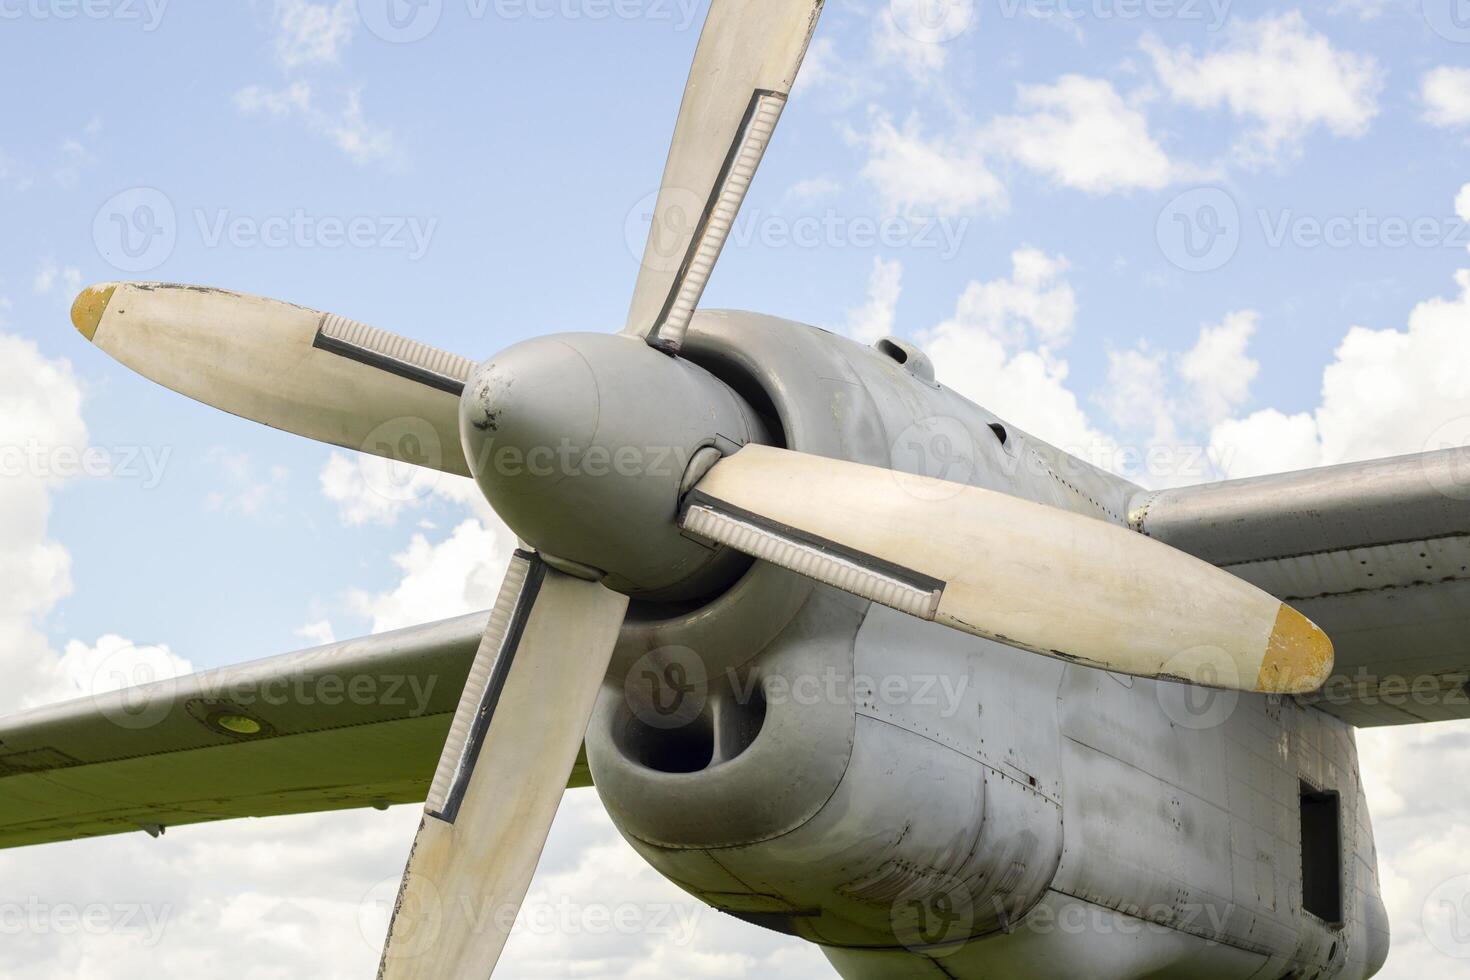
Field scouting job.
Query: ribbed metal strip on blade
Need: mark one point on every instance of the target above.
(779, 547)
(496, 645)
(391, 352)
(729, 193)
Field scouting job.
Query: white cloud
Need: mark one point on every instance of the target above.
(40, 420)
(818, 65)
(894, 39)
(369, 489)
(40, 416)
(74, 156)
(1137, 397)
(294, 98)
(1267, 441)
(361, 140)
(1420, 822)
(372, 490)
(345, 126)
(1035, 304)
(45, 278)
(1080, 132)
(1419, 380)
(932, 176)
(1164, 404)
(1446, 95)
(49, 274)
(841, 81)
(983, 351)
(457, 575)
(111, 664)
(670, 936)
(319, 633)
(312, 33)
(1217, 370)
(276, 903)
(874, 319)
(1278, 73)
(812, 189)
(1027, 388)
(249, 490)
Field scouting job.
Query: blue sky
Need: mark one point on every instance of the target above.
(1036, 162)
(516, 140)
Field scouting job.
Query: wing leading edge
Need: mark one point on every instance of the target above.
(1376, 553)
(351, 724)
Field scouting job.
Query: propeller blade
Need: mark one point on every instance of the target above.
(748, 56)
(315, 374)
(997, 566)
(511, 747)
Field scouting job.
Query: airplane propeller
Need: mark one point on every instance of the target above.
(746, 62)
(317, 375)
(1028, 575)
(511, 746)
(1008, 569)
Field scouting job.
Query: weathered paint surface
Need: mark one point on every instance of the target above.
(1377, 553)
(1028, 817)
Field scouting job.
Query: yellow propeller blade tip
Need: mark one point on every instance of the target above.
(90, 304)
(1298, 656)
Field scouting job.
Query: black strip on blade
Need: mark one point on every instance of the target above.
(504, 661)
(709, 208)
(899, 573)
(392, 365)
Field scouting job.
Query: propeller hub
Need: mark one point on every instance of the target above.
(580, 443)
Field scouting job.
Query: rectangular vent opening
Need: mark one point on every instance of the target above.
(1321, 854)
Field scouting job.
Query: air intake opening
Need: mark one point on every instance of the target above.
(685, 749)
(1321, 854)
(892, 350)
(905, 354)
(740, 720)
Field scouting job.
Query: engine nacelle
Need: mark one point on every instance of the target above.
(825, 791)
(823, 768)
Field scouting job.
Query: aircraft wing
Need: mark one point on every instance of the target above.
(350, 724)
(1376, 553)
